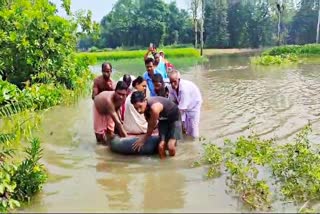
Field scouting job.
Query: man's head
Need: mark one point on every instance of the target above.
(106, 70)
(139, 101)
(174, 77)
(156, 57)
(158, 83)
(149, 65)
(140, 84)
(161, 53)
(127, 79)
(121, 92)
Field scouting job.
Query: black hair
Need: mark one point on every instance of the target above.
(157, 78)
(121, 85)
(155, 54)
(105, 65)
(137, 81)
(137, 96)
(148, 60)
(127, 79)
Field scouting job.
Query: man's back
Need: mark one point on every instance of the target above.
(170, 109)
(189, 95)
(101, 101)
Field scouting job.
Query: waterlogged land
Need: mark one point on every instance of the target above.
(275, 103)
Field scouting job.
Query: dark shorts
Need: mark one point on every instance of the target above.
(170, 130)
(124, 146)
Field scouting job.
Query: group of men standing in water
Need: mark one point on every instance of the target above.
(157, 103)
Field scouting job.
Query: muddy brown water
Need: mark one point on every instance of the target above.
(238, 98)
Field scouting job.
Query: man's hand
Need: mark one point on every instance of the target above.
(122, 132)
(138, 144)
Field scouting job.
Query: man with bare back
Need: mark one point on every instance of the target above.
(107, 104)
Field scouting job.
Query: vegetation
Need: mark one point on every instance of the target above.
(39, 69)
(117, 55)
(255, 166)
(286, 54)
(227, 24)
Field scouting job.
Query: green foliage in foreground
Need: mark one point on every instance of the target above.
(117, 55)
(20, 181)
(254, 166)
(286, 54)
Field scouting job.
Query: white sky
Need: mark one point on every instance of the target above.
(100, 8)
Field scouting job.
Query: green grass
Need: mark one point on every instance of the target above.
(308, 49)
(117, 55)
(287, 54)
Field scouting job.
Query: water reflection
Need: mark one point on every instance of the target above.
(163, 190)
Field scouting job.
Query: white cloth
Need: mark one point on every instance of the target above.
(134, 122)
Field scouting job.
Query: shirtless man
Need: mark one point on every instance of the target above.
(103, 82)
(167, 114)
(107, 105)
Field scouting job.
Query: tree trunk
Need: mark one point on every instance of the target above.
(318, 26)
(195, 33)
(279, 29)
(202, 26)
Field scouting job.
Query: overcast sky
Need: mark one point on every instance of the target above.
(100, 8)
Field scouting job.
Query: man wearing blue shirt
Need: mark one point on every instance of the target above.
(148, 75)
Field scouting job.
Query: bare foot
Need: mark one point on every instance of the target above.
(162, 150)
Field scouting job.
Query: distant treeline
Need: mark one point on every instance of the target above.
(227, 24)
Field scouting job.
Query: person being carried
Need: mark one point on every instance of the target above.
(107, 105)
(104, 81)
(128, 80)
(134, 122)
(188, 97)
(166, 113)
(160, 87)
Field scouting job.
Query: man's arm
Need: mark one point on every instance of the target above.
(95, 89)
(115, 117)
(152, 122)
(147, 54)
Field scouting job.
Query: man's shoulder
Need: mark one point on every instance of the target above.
(145, 75)
(188, 83)
(98, 77)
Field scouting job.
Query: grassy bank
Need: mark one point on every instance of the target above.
(117, 55)
(214, 52)
(286, 54)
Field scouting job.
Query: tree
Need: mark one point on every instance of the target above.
(37, 45)
(280, 9)
(216, 23)
(318, 25)
(195, 11)
(304, 24)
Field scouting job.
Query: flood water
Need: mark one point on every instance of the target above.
(238, 98)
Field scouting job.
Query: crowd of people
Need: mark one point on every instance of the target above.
(158, 103)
